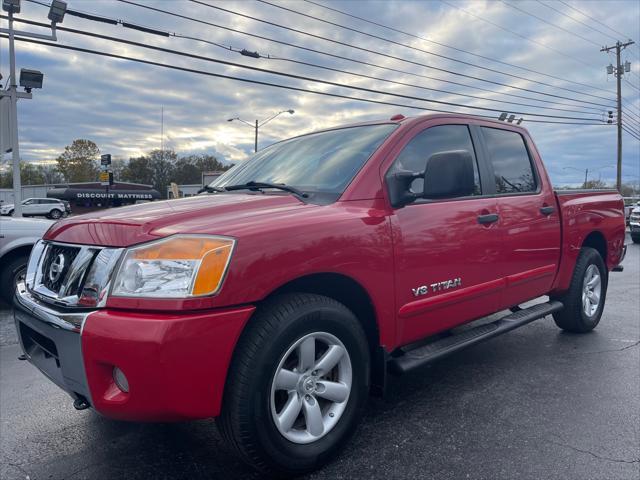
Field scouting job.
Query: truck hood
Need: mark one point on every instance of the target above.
(221, 214)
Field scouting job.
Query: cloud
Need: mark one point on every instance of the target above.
(118, 104)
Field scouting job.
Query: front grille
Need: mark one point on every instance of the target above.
(55, 267)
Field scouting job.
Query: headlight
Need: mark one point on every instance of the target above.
(176, 267)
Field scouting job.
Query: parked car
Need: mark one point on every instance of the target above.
(281, 297)
(17, 237)
(47, 207)
(634, 223)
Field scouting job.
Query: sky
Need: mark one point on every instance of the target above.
(118, 103)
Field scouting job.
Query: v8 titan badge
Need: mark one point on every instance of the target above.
(437, 287)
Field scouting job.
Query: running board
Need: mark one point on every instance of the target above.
(441, 348)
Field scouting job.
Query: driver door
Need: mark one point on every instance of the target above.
(444, 256)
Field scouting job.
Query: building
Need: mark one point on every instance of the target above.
(192, 189)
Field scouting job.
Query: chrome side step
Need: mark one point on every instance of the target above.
(441, 348)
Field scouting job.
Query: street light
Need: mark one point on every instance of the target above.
(258, 124)
(28, 79)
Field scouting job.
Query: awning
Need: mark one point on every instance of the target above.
(101, 194)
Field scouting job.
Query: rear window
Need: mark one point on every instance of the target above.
(510, 159)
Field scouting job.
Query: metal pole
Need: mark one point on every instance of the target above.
(619, 84)
(586, 177)
(15, 149)
(255, 146)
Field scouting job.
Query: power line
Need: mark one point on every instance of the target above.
(257, 55)
(576, 20)
(411, 47)
(531, 40)
(362, 62)
(631, 114)
(269, 84)
(594, 19)
(550, 23)
(634, 135)
(393, 29)
(386, 55)
(299, 77)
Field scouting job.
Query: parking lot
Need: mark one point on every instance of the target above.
(535, 403)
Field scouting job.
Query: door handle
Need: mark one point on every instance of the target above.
(489, 218)
(547, 210)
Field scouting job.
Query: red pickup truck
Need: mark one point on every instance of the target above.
(288, 291)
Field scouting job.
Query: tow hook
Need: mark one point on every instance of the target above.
(81, 403)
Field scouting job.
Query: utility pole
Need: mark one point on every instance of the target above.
(28, 79)
(618, 71)
(259, 124)
(255, 143)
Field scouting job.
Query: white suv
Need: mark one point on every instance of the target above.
(31, 207)
(634, 223)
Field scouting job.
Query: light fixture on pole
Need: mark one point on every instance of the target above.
(259, 124)
(28, 79)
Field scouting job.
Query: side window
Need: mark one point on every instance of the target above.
(442, 138)
(510, 159)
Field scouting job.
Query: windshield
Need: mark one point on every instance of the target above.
(320, 164)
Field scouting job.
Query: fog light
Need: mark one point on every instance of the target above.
(120, 379)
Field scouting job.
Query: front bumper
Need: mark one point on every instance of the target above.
(634, 227)
(176, 364)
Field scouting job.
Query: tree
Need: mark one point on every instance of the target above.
(154, 169)
(189, 169)
(79, 161)
(138, 170)
(163, 165)
(595, 184)
(31, 174)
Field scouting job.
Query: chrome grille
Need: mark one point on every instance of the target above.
(56, 265)
(71, 275)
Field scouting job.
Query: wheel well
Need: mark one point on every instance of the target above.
(597, 241)
(344, 290)
(23, 250)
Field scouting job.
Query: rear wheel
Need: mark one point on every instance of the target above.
(297, 385)
(584, 302)
(55, 214)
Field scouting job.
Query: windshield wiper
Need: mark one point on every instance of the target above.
(260, 185)
(209, 189)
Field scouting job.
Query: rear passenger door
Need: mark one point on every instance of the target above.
(529, 223)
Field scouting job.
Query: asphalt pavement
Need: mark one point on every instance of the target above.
(535, 403)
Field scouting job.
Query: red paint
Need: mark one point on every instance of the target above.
(175, 363)
(175, 353)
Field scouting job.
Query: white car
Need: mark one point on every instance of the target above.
(634, 223)
(17, 237)
(31, 207)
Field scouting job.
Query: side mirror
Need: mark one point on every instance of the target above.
(449, 174)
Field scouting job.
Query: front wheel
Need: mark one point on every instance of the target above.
(584, 302)
(635, 238)
(11, 275)
(297, 384)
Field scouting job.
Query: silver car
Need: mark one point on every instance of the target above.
(17, 237)
(31, 207)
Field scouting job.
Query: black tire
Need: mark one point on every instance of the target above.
(573, 318)
(635, 238)
(55, 214)
(246, 421)
(9, 276)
